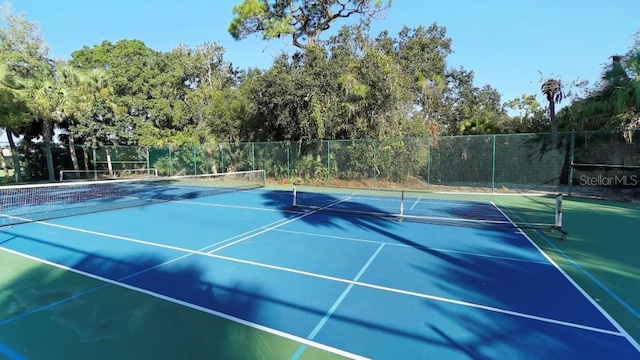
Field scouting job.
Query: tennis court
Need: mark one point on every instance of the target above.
(197, 269)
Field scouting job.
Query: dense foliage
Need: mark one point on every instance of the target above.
(352, 85)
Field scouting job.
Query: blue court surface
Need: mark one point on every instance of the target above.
(361, 286)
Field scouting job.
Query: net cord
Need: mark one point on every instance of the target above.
(437, 219)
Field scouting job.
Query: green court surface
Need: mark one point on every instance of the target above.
(105, 321)
(601, 252)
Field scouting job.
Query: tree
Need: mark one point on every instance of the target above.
(303, 20)
(84, 88)
(46, 98)
(552, 90)
(614, 102)
(23, 53)
(13, 113)
(131, 69)
(421, 53)
(529, 115)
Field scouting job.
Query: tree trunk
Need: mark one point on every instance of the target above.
(85, 158)
(74, 155)
(554, 122)
(17, 172)
(109, 164)
(47, 131)
(4, 166)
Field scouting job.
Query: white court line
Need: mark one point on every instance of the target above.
(622, 331)
(226, 206)
(491, 194)
(335, 305)
(266, 229)
(415, 247)
(246, 233)
(415, 203)
(192, 306)
(346, 281)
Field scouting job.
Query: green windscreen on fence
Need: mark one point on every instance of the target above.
(574, 161)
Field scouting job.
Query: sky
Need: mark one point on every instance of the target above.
(509, 44)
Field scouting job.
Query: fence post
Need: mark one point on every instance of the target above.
(95, 169)
(375, 167)
(428, 162)
(170, 162)
(288, 162)
(195, 161)
(572, 148)
(253, 156)
(493, 166)
(328, 161)
(148, 159)
(221, 147)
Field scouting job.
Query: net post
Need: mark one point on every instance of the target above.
(402, 203)
(558, 218)
(295, 196)
(558, 212)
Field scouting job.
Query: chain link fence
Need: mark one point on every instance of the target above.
(576, 162)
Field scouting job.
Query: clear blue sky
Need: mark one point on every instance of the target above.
(505, 42)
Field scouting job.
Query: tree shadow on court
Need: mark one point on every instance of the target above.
(491, 336)
(81, 317)
(331, 211)
(522, 285)
(489, 272)
(129, 307)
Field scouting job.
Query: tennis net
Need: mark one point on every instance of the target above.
(27, 203)
(449, 209)
(105, 174)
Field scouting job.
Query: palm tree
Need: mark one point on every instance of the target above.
(621, 83)
(55, 97)
(95, 99)
(70, 81)
(42, 106)
(13, 113)
(552, 90)
(614, 103)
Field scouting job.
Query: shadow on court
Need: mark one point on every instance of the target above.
(384, 221)
(77, 317)
(460, 277)
(517, 285)
(49, 313)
